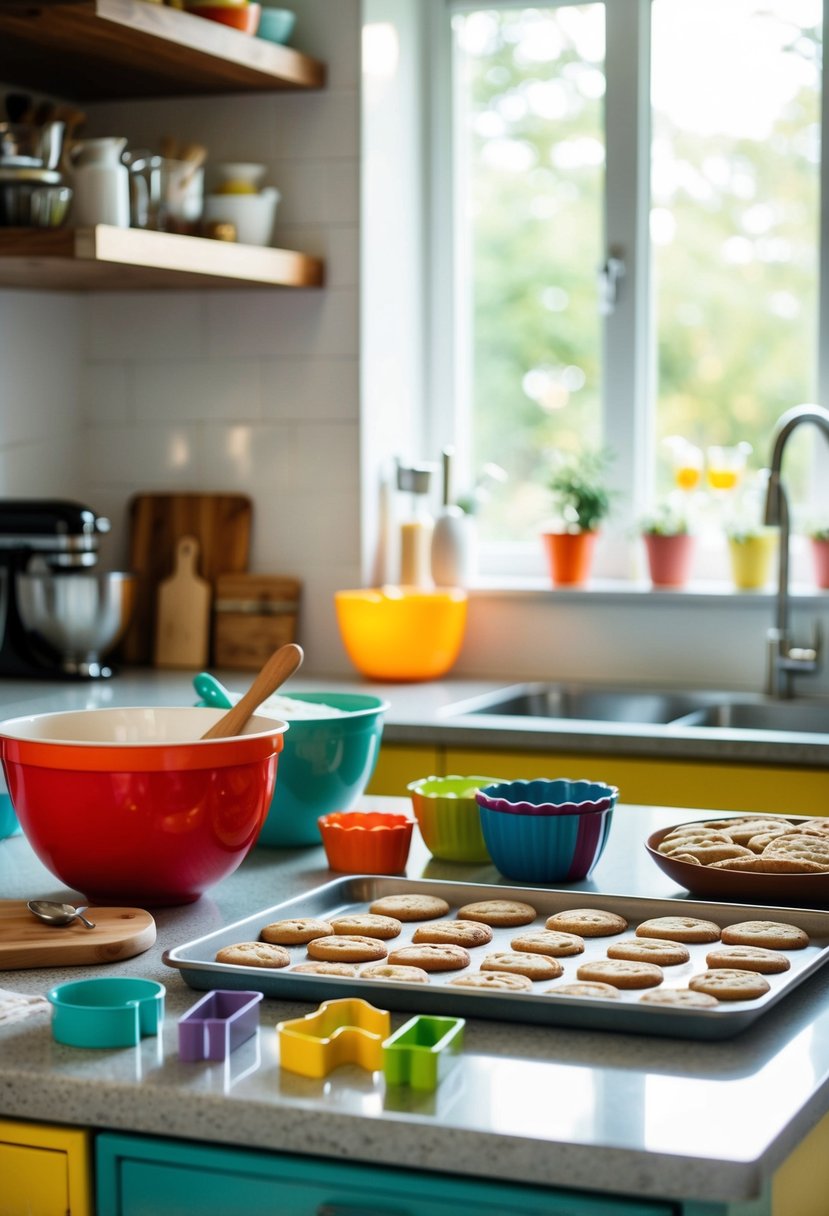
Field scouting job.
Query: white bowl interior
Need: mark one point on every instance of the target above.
(130, 726)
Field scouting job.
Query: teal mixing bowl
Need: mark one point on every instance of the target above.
(325, 765)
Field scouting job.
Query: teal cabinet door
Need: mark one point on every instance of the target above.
(145, 1177)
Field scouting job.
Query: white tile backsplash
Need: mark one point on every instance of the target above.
(310, 322)
(145, 325)
(317, 390)
(197, 390)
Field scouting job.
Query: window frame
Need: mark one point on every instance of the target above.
(628, 352)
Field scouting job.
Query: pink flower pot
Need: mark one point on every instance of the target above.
(669, 558)
(820, 562)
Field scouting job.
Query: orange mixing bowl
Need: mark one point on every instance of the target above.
(244, 17)
(402, 633)
(132, 806)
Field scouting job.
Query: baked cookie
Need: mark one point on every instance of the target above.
(367, 924)
(321, 968)
(548, 941)
(730, 984)
(706, 854)
(494, 980)
(410, 907)
(772, 934)
(748, 958)
(587, 922)
(401, 975)
(650, 950)
(679, 996)
(295, 932)
(509, 913)
(534, 966)
(764, 864)
(679, 929)
(254, 954)
(592, 988)
(461, 932)
(621, 973)
(431, 957)
(800, 846)
(692, 840)
(346, 948)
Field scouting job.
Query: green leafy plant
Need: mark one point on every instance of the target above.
(666, 519)
(819, 532)
(578, 485)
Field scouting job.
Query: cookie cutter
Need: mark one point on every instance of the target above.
(422, 1051)
(112, 1012)
(347, 1031)
(217, 1024)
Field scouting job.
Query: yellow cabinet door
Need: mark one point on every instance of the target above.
(397, 765)
(646, 782)
(44, 1170)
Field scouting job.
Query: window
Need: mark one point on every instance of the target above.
(635, 192)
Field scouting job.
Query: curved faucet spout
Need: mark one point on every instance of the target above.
(784, 660)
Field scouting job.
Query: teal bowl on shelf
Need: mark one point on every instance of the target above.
(324, 766)
(9, 823)
(275, 24)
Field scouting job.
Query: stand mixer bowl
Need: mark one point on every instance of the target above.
(79, 616)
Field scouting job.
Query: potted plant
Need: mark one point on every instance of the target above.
(669, 545)
(751, 548)
(819, 541)
(581, 500)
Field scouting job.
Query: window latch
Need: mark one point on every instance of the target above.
(610, 276)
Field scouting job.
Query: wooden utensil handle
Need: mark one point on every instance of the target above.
(282, 663)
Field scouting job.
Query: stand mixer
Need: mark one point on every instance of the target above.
(58, 615)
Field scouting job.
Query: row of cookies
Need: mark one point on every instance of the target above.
(766, 844)
(344, 945)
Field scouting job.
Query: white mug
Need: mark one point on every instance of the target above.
(100, 180)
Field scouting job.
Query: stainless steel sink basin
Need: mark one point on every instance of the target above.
(796, 716)
(585, 703)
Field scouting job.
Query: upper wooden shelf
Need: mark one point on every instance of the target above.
(92, 50)
(127, 259)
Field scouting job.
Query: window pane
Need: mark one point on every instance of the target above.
(530, 160)
(735, 217)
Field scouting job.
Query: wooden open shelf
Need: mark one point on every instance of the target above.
(104, 258)
(92, 50)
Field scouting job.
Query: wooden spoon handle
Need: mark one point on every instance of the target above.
(282, 663)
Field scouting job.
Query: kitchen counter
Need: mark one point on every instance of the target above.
(426, 715)
(595, 1111)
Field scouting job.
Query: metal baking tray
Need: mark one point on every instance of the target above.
(196, 960)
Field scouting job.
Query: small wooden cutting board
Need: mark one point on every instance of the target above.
(26, 941)
(182, 624)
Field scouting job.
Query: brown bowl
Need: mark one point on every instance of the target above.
(795, 890)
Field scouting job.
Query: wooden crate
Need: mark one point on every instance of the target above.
(253, 614)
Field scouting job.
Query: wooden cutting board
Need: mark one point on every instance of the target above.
(182, 623)
(221, 523)
(26, 941)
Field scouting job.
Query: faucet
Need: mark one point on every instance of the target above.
(784, 660)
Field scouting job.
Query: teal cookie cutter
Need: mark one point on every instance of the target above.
(347, 1031)
(422, 1051)
(112, 1012)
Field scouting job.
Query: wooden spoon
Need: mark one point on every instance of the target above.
(282, 663)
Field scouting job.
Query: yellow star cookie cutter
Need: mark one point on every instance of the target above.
(347, 1031)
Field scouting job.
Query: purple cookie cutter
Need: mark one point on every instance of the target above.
(217, 1024)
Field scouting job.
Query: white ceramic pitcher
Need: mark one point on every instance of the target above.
(101, 183)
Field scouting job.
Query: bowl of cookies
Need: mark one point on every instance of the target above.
(756, 858)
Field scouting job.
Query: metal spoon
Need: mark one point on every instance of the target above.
(57, 914)
(212, 691)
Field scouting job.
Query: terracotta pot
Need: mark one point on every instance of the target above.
(569, 556)
(820, 562)
(751, 560)
(669, 558)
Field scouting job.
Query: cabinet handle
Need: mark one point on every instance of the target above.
(346, 1209)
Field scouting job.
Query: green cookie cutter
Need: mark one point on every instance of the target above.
(422, 1051)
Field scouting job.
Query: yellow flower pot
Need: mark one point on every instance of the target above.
(751, 559)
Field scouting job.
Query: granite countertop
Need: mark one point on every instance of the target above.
(433, 714)
(593, 1110)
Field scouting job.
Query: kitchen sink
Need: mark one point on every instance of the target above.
(585, 703)
(797, 716)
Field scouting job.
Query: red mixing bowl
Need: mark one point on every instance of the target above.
(131, 806)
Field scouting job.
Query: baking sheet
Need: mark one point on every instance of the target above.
(196, 960)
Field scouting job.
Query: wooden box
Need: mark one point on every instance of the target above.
(253, 614)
